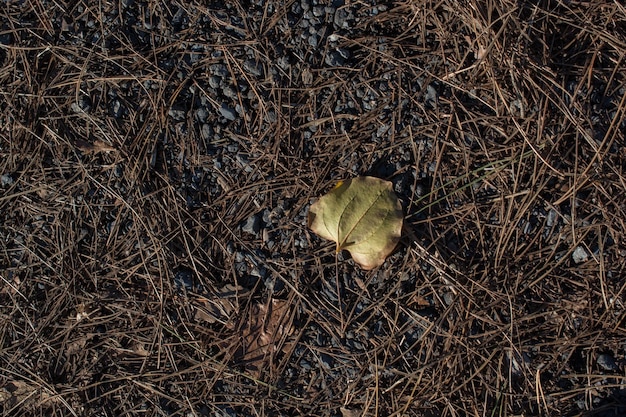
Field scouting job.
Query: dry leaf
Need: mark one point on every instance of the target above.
(346, 412)
(140, 349)
(25, 394)
(363, 216)
(220, 306)
(267, 326)
(93, 148)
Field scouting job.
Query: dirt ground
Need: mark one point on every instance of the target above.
(157, 164)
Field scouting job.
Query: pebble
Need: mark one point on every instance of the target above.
(252, 225)
(177, 114)
(580, 255)
(6, 180)
(6, 37)
(432, 97)
(338, 57)
(253, 68)
(228, 112)
(202, 114)
(306, 365)
(215, 81)
(117, 110)
(206, 132)
(341, 19)
(607, 362)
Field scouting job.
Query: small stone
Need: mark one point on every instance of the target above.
(177, 114)
(431, 98)
(6, 38)
(270, 283)
(201, 114)
(580, 255)
(341, 19)
(607, 362)
(117, 110)
(448, 298)
(551, 217)
(219, 69)
(214, 81)
(252, 225)
(6, 180)
(228, 112)
(206, 132)
(76, 108)
(259, 272)
(253, 68)
(230, 92)
(335, 59)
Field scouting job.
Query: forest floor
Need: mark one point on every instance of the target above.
(157, 164)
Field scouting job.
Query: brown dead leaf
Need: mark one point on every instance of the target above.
(22, 392)
(420, 300)
(78, 345)
(220, 307)
(140, 349)
(264, 333)
(93, 148)
(346, 412)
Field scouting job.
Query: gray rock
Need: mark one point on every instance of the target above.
(183, 278)
(117, 110)
(607, 362)
(327, 361)
(215, 81)
(337, 58)
(580, 255)
(432, 98)
(252, 225)
(6, 180)
(201, 114)
(341, 19)
(229, 92)
(253, 68)
(228, 112)
(177, 114)
(206, 132)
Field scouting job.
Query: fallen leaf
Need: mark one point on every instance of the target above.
(220, 307)
(26, 394)
(140, 349)
(363, 216)
(93, 148)
(265, 333)
(347, 412)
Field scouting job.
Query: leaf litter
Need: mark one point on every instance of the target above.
(261, 331)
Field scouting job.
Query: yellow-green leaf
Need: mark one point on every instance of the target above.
(363, 216)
